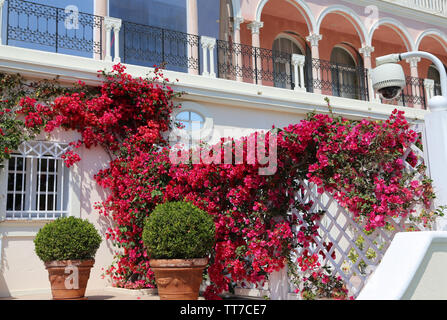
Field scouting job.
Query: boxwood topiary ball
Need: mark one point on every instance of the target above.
(67, 238)
(178, 230)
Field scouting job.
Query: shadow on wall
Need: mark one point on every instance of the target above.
(93, 160)
(4, 291)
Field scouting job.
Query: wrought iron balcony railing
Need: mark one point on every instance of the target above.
(149, 46)
(48, 28)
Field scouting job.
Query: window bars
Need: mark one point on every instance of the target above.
(37, 182)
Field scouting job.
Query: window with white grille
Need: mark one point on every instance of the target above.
(37, 182)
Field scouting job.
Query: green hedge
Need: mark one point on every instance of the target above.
(67, 238)
(178, 230)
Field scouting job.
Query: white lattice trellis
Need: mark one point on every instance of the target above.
(357, 253)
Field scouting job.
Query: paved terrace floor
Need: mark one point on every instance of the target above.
(106, 294)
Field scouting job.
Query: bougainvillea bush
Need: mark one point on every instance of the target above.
(259, 223)
(14, 91)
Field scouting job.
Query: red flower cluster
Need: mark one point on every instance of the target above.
(259, 220)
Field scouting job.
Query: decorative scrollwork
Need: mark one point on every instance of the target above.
(150, 46)
(54, 28)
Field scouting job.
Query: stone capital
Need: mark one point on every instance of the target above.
(208, 42)
(314, 39)
(255, 26)
(366, 51)
(413, 61)
(237, 23)
(298, 60)
(112, 23)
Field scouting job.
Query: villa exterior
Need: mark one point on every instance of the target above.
(244, 65)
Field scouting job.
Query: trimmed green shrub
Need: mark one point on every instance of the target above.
(178, 230)
(67, 238)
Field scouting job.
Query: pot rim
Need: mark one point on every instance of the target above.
(179, 263)
(64, 263)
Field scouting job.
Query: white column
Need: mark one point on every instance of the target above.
(115, 25)
(2, 2)
(116, 30)
(298, 62)
(314, 39)
(415, 74)
(100, 9)
(192, 19)
(255, 27)
(211, 46)
(192, 28)
(237, 39)
(367, 51)
(108, 27)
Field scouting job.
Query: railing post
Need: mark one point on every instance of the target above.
(416, 89)
(208, 44)
(255, 63)
(237, 40)
(367, 51)
(211, 47)
(57, 30)
(2, 3)
(115, 25)
(255, 28)
(314, 39)
(108, 26)
(116, 31)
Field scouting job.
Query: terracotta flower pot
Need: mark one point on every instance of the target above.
(69, 278)
(178, 279)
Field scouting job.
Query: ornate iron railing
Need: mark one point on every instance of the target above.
(48, 28)
(340, 80)
(254, 65)
(149, 46)
(413, 95)
(267, 67)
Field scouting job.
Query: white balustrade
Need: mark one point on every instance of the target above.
(438, 7)
(208, 46)
(115, 25)
(298, 62)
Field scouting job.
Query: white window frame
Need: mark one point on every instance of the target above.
(207, 128)
(31, 152)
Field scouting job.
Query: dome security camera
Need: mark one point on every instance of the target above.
(388, 80)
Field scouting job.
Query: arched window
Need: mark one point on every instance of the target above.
(433, 74)
(191, 123)
(345, 77)
(283, 48)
